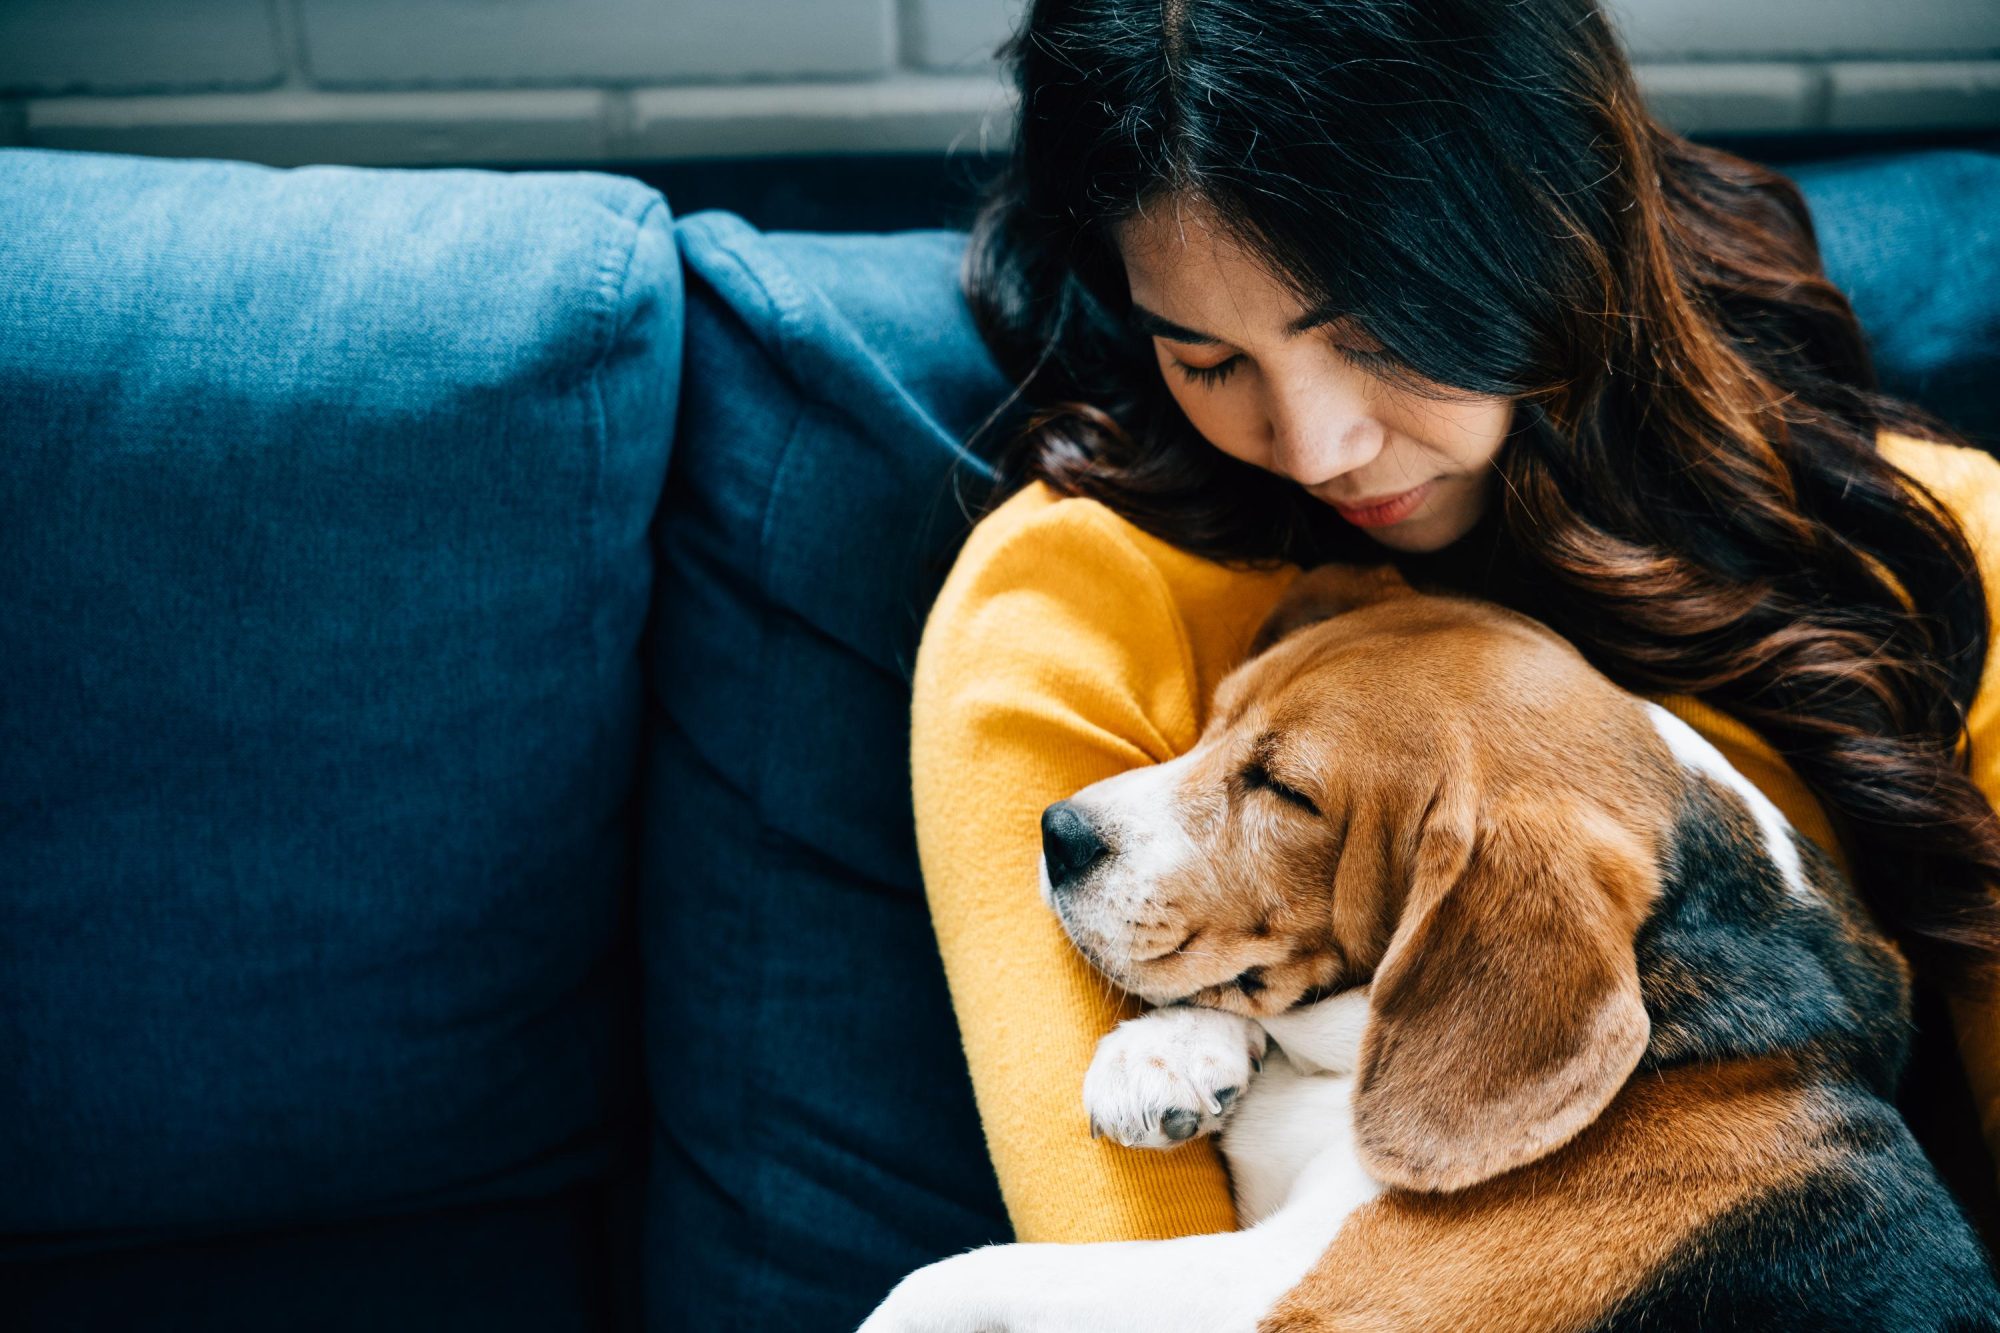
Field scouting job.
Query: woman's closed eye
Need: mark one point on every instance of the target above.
(1354, 347)
(1205, 375)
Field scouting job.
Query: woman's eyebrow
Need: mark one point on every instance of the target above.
(1314, 319)
(1159, 326)
(1145, 321)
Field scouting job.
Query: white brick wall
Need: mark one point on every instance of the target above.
(578, 81)
(455, 43)
(117, 46)
(1806, 29)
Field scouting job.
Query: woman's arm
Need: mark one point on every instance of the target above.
(1054, 657)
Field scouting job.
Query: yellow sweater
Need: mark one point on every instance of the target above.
(1068, 645)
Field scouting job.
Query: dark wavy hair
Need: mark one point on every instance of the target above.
(1692, 490)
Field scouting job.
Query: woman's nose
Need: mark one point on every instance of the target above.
(1313, 442)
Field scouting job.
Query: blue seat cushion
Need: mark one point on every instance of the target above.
(325, 520)
(815, 1136)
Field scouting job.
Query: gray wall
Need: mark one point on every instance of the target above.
(581, 81)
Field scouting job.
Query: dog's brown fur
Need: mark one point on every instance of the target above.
(1557, 1244)
(1541, 1183)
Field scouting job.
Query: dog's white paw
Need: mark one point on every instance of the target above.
(1171, 1075)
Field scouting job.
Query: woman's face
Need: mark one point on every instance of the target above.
(1266, 381)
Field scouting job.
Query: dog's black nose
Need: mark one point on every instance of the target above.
(1069, 845)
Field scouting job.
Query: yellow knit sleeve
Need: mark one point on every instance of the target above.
(1967, 481)
(1053, 657)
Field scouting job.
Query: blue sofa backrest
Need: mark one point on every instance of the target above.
(324, 530)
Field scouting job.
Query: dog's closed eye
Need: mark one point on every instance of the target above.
(1257, 777)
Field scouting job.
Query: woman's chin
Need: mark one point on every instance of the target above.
(1422, 533)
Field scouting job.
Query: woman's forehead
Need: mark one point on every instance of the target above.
(1186, 268)
(1167, 237)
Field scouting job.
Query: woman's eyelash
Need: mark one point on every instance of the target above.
(1214, 374)
(1222, 370)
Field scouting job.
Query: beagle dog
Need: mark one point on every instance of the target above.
(1516, 1008)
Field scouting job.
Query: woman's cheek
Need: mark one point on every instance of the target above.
(1222, 415)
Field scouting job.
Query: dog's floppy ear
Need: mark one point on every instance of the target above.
(1506, 1012)
(1325, 592)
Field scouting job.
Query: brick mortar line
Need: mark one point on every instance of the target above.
(295, 77)
(616, 117)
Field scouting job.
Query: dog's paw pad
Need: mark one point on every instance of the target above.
(1169, 1076)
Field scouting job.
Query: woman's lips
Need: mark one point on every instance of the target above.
(1380, 514)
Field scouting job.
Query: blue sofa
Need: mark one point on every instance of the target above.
(455, 859)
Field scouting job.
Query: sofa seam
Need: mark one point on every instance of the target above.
(612, 296)
(783, 307)
(779, 356)
(756, 1134)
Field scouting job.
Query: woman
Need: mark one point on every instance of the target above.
(1292, 281)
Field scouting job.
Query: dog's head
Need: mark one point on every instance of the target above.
(1430, 794)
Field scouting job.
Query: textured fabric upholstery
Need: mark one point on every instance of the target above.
(815, 1136)
(324, 530)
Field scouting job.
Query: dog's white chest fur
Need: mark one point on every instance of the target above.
(1293, 1126)
(1293, 1130)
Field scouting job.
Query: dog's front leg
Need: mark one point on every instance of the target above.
(1222, 1283)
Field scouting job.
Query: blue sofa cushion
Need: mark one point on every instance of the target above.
(815, 1133)
(325, 525)
(1914, 240)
